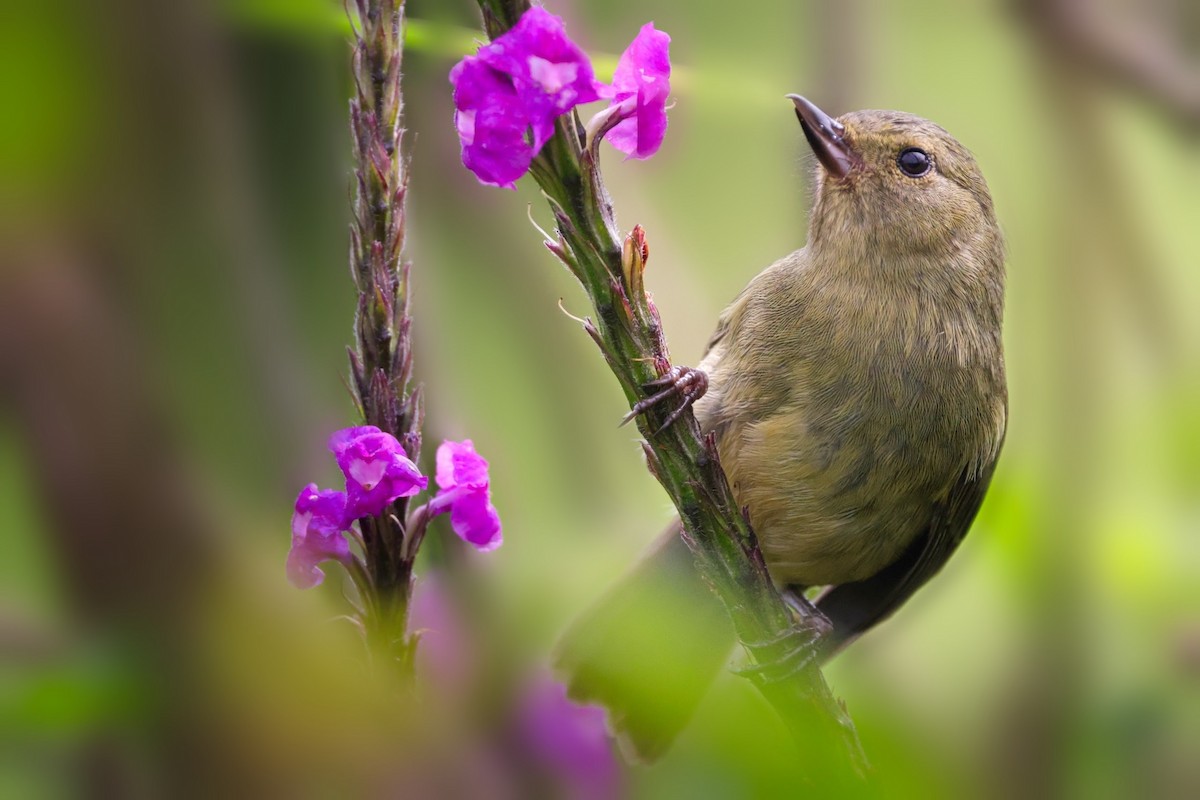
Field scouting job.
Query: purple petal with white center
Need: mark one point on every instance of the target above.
(377, 470)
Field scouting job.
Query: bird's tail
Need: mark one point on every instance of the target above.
(649, 649)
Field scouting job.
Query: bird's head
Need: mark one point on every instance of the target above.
(894, 183)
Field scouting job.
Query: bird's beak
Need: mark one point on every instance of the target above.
(826, 137)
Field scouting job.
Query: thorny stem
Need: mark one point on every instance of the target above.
(629, 333)
(381, 362)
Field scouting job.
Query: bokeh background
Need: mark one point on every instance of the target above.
(175, 303)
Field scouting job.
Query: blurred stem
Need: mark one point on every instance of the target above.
(1135, 54)
(629, 334)
(381, 363)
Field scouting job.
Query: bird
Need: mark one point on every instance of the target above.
(856, 393)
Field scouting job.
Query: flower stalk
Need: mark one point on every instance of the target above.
(376, 513)
(381, 361)
(628, 331)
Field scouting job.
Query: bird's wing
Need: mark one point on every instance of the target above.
(778, 278)
(854, 608)
(725, 323)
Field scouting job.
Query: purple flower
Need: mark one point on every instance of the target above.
(376, 468)
(641, 84)
(521, 82)
(491, 124)
(570, 740)
(550, 73)
(317, 525)
(464, 491)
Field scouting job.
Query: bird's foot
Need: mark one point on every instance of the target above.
(687, 383)
(806, 612)
(783, 656)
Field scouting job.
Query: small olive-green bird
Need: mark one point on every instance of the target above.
(856, 391)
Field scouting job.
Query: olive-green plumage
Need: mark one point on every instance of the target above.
(854, 382)
(857, 393)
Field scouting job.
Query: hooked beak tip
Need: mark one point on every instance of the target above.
(826, 136)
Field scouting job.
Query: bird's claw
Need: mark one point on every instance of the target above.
(806, 612)
(782, 657)
(688, 383)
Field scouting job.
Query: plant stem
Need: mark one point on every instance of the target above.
(381, 362)
(628, 331)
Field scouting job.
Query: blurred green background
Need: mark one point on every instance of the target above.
(175, 303)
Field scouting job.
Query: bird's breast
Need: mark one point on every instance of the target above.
(872, 417)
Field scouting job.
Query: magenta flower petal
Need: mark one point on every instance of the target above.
(491, 124)
(508, 95)
(641, 85)
(377, 470)
(549, 72)
(476, 521)
(465, 491)
(317, 524)
(458, 463)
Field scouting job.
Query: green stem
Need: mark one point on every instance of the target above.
(381, 362)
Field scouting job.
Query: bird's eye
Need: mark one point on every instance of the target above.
(914, 162)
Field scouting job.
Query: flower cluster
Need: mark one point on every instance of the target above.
(377, 474)
(508, 95)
